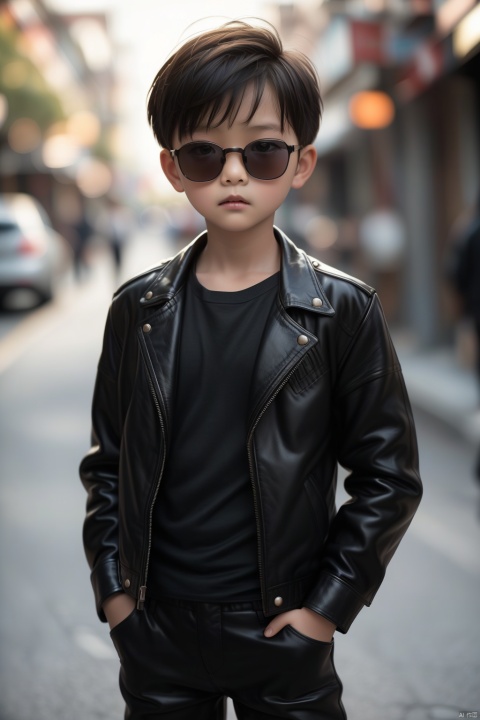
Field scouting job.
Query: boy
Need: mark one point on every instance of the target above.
(232, 380)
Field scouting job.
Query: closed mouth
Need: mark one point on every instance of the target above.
(234, 199)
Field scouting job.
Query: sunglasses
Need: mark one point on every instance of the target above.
(263, 159)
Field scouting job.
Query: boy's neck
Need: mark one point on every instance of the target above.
(235, 261)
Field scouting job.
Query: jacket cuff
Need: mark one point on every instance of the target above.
(105, 582)
(335, 600)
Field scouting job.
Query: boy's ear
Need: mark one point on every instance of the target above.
(170, 170)
(305, 167)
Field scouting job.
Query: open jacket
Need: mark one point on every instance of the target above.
(327, 389)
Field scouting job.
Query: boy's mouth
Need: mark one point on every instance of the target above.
(234, 200)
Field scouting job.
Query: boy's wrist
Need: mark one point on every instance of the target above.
(117, 607)
(321, 621)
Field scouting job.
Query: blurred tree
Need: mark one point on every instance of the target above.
(27, 93)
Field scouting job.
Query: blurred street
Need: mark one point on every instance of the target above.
(394, 200)
(413, 656)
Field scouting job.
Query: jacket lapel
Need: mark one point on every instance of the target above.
(285, 342)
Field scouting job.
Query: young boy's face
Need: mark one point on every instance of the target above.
(234, 201)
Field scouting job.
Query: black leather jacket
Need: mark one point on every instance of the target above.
(328, 388)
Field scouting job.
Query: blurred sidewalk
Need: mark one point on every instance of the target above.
(440, 387)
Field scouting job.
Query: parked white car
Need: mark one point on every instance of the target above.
(33, 256)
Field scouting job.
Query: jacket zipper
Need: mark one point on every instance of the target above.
(143, 588)
(252, 479)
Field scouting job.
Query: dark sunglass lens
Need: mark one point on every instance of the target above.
(200, 162)
(266, 159)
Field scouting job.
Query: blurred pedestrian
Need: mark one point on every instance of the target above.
(116, 225)
(82, 231)
(464, 274)
(383, 242)
(233, 379)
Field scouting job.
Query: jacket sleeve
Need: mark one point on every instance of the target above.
(376, 443)
(99, 475)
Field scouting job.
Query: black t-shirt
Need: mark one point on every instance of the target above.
(204, 544)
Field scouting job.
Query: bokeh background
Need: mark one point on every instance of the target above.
(395, 192)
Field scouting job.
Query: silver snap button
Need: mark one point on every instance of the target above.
(127, 583)
(317, 302)
(147, 328)
(302, 340)
(316, 264)
(149, 295)
(278, 601)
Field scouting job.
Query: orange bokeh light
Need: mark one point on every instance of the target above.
(371, 110)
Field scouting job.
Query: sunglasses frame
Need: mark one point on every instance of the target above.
(291, 148)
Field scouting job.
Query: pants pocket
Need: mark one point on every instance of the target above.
(128, 637)
(307, 638)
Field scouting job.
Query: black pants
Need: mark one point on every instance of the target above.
(180, 661)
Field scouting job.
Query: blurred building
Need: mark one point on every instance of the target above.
(399, 146)
(57, 116)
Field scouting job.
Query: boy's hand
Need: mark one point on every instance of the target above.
(306, 621)
(117, 607)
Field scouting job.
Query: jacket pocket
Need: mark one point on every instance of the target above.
(308, 372)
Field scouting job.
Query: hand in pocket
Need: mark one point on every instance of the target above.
(118, 607)
(306, 621)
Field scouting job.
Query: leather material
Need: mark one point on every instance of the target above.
(180, 660)
(337, 397)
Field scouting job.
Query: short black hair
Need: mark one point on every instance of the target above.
(216, 67)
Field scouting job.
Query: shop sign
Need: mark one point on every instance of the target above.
(368, 42)
(428, 64)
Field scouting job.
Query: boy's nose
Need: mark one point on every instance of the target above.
(233, 170)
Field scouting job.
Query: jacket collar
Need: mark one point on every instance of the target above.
(299, 287)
